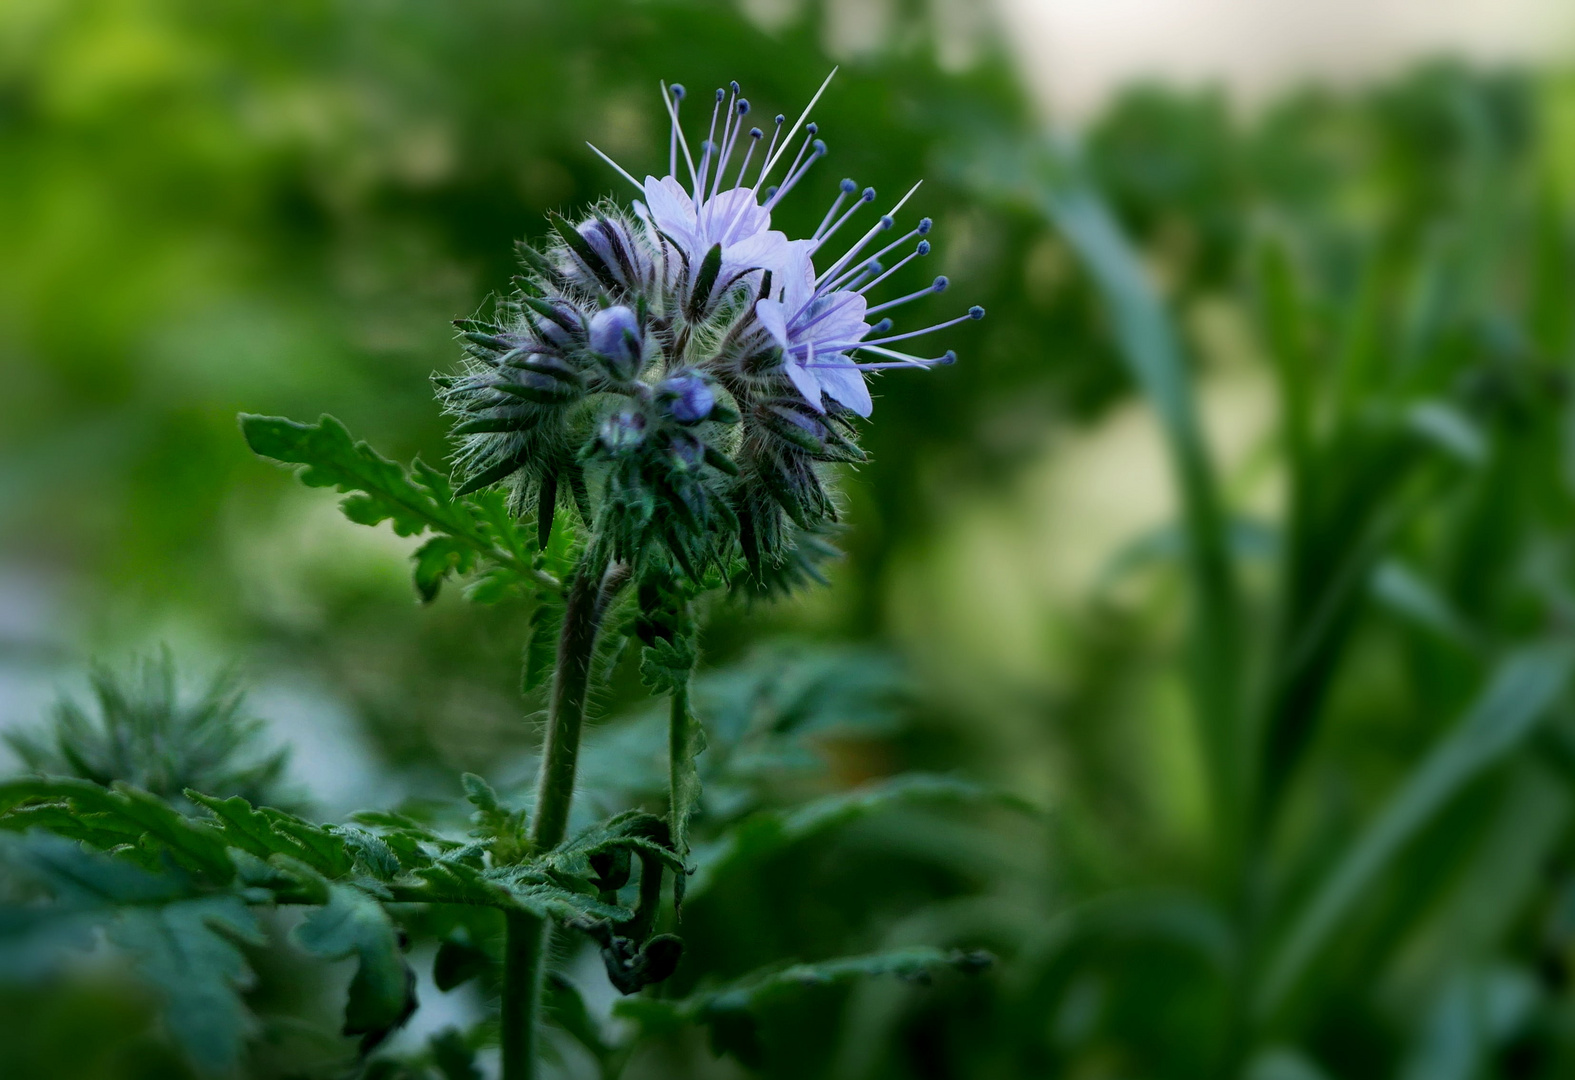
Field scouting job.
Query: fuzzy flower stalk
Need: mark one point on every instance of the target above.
(679, 377)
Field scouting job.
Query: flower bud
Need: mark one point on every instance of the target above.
(688, 450)
(622, 431)
(689, 398)
(552, 319)
(615, 337)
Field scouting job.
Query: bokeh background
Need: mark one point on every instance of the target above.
(1345, 227)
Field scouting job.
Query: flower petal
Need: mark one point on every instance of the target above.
(671, 209)
(844, 383)
(773, 316)
(733, 217)
(763, 251)
(808, 385)
(837, 317)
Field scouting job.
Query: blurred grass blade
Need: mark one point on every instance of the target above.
(1523, 687)
(1283, 312)
(1474, 1013)
(1148, 344)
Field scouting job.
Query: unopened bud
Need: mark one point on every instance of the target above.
(615, 336)
(689, 450)
(689, 398)
(622, 431)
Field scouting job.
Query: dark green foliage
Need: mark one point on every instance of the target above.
(145, 731)
(185, 945)
(731, 1011)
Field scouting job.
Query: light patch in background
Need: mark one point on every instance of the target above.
(328, 758)
(1074, 54)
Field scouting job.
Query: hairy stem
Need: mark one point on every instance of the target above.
(595, 583)
(524, 971)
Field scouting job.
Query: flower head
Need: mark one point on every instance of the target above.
(679, 371)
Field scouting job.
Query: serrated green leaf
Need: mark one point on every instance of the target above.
(437, 560)
(354, 925)
(160, 827)
(267, 832)
(187, 950)
(183, 945)
(472, 528)
(665, 666)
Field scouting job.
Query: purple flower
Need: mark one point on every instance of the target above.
(817, 319)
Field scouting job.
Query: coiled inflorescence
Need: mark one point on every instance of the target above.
(680, 373)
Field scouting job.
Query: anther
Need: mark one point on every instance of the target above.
(925, 224)
(771, 191)
(924, 247)
(849, 187)
(940, 284)
(881, 327)
(886, 222)
(734, 85)
(677, 90)
(812, 128)
(743, 107)
(720, 93)
(780, 120)
(756, 133)
(976, 312)
(819, 147)
(948, 357)
(869, 195)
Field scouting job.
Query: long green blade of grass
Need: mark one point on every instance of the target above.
(1149, 346)
(1522, 688)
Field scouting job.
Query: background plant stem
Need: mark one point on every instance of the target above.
(525, 950)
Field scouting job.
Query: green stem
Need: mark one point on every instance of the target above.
(524, 963)
(524, 971)
(677, 761)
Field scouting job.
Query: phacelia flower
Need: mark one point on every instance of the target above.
(679, 372)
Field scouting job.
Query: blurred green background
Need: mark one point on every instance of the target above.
(1208, 545)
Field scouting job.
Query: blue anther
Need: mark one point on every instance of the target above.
(812, 128)
(771, 191)
(720, 93)
(924, 247)
(820, 148)
(976, 312)
(941, 283)
(886, 222)
(780, 119)
(677, 90)
(925, 225)
(756, 133)
(734, 85)
(743, 106)
(849, 187)
(949, 358)
(881, 327)
(869, 194)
